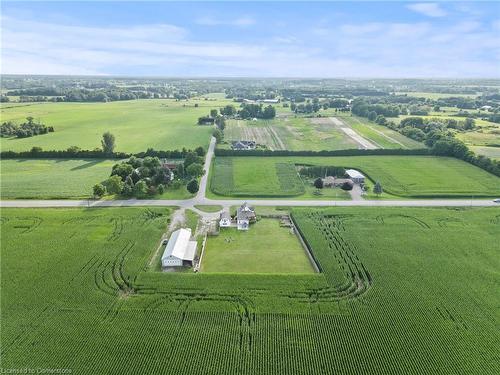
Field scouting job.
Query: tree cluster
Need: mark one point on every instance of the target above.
(143, 177)
(322, 171)
(249, 111)
(29, 128)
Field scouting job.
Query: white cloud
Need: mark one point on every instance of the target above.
(213, 21)
(466, 48)
(428, 9)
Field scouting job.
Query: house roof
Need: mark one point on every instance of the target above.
(245, 212)
(329, 180)
(225, 215)
(180, 246)
(352, 173)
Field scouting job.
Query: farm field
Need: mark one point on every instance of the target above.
(414, 274)
(264, 248)
(380, 135)
(290, 133)
(137, 125)
(404, 176)
(60, 178)
(52, 178)
(491, 152)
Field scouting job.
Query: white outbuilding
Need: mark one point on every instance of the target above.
(356, 176)
(180, 250)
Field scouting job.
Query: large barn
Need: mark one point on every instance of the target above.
(180, 250)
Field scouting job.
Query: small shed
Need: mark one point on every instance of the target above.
(356, 176)
(180, 250)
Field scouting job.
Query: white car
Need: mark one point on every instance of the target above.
(496, 200)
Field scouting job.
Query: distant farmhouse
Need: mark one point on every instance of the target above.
(244, 216)
(330, 181)
(206, 120)
(180, 250)
(356, 176)
(243, 145)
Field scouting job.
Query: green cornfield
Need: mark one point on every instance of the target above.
(401, 291)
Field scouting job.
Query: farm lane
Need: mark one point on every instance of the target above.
(208, 162)
(363, 142)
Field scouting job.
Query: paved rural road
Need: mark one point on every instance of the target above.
(208, 162)
(256, 202)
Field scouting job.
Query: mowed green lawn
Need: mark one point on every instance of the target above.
(137, 124)
(405, 176)
(264, 248)
(52, 178)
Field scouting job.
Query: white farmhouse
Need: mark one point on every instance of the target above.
(180, 250)
(356, 176)
(244, 216)
(225, 220)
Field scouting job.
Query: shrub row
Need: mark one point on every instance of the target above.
(36, 152)
(350, 152)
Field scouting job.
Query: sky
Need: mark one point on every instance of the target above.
(252, 39)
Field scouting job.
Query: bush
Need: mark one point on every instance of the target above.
(348, 185)
(318, 183)
(98, 190)
(114, 185)
(193, 186)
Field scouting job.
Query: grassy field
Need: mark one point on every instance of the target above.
(405, 176)
(60, 178)
(491, 152)
(290, 133)
(52, 178)
(264, 248)
(381, 136)
(75, 294)
(137, 125)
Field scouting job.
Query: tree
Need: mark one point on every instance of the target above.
(108, 143)
(191, 157)
(213, 113)
(318, 183)
(219, 136)
(113, 185)
(200, 151)
(220, 122)
(179, 170)
(228, 110)
(195, 170)
(98, 190)
(140, 189)
(122, 169)
(161, 189)
(269, 112)
(163, 176)
(469, 123)
(377, 189)
(372, 115)
(193, 186)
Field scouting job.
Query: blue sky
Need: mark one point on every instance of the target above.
(259, 39)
